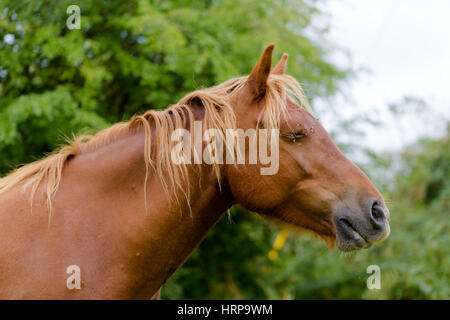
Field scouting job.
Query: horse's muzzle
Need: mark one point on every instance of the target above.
(358, 229)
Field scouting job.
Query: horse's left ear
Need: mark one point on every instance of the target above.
(257, 80)
(280, 68)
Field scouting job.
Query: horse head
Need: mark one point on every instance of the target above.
(316, 186)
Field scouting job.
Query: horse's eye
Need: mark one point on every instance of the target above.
(294, 135)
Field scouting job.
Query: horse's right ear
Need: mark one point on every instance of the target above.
(257, 80)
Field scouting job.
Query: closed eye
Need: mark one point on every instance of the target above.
(294, 135)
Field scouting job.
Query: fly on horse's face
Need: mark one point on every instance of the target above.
(317, 187)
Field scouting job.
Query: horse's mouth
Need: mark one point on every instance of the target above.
(348, 238)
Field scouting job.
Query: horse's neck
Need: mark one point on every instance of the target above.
(164, 238)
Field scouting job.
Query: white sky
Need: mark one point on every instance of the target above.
(406, 46)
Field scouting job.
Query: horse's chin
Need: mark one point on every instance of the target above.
(329, 240)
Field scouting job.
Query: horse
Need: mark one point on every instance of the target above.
(112, 216)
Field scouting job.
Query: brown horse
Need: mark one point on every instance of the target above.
(119, 208)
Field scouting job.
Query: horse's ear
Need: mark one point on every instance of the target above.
(257, 80)
(280, 68)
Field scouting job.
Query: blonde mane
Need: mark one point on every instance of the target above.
(218, 114)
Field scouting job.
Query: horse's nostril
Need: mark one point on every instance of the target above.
(377, 215)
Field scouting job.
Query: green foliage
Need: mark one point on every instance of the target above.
(429, 172)
(47, 114)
